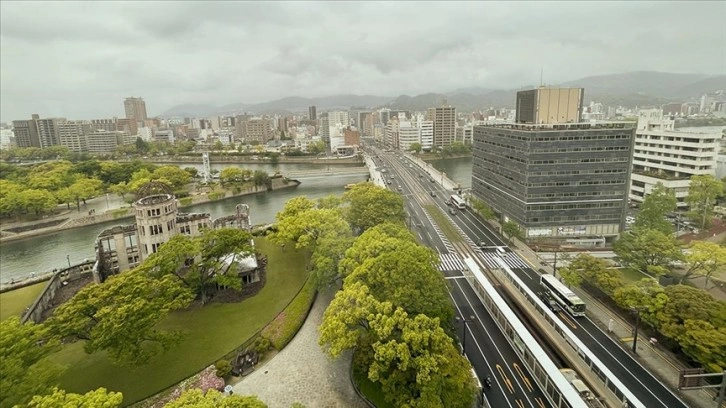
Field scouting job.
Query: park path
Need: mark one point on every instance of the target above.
(302, 373)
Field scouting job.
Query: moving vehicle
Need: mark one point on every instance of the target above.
(433, 194)
(452, 211)
(457, 201)
(561, 294)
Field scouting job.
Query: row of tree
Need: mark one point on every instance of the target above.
(690, 319)
(393, 310)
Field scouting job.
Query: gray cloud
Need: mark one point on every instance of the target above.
(80, 59)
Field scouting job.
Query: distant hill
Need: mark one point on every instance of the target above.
(630, 89)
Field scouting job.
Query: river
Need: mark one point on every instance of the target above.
(41, 254)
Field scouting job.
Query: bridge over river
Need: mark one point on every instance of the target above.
(332, 171)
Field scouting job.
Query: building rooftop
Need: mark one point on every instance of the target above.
(561, 126)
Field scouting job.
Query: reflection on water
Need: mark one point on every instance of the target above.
(41, 254)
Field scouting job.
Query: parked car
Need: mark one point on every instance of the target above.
(433, 194)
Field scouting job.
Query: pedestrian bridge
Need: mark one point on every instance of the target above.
(327, 172)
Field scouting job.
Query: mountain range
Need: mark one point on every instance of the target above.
(630, 89)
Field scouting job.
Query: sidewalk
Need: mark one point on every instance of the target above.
(656, 360)
(301, 372)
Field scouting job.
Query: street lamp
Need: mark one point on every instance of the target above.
(461, 319)
(68, 257)
(635, 330)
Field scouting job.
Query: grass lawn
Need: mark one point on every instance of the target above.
(14, 302)
(631, 276)
(211, 332)
(446, 227)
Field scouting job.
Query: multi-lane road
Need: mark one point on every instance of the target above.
(486, 346)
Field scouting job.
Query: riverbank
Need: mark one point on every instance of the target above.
(220, 158)
(14, 231)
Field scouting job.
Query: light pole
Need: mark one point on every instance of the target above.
(635, 330)
(442, 178)
(68, 257)
(106, 201)
(461, 319)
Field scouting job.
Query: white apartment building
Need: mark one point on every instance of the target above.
(464, 134)
(664, 155)
(6, 138)
(166, 135)
(72, 134)
(104, 141)
(390, 137)
(408, 134)
(426, 132)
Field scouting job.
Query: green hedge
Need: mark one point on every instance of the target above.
(281, 330)
(183, 202)
(216, 195)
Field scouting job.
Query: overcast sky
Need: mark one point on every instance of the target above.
(79, 60)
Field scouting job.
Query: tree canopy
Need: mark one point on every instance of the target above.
(195, 398)
(702, 193)
(100, 398)
(370, 205)
(24, 371)
(648, 250)
(656, 205)
(120, 316)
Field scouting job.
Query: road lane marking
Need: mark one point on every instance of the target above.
(524, 377)
(505, 379)
(567, 320)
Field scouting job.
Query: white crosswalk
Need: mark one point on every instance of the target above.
(451, 262)
(510, 258)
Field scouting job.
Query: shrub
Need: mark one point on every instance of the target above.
(216, 195)
(185, 201)
(282, 330)
(261, 345)
(224, 368)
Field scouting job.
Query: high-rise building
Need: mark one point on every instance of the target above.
(104, 124)
(664, 155)
(26, 132)
(135, 108)
(565, 182)
(312, 113)
(408, 134)
(105, 141)
(549, 105)
(444, 118)
(255, 130)
(73, 135)
(48, 131)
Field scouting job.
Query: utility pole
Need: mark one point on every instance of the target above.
(635, 330)
(461, 319)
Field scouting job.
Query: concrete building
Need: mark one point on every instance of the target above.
(465, 134)
(164, 135)
(73, 135)
(426, 131)
(255, 130)
(104, 124)
(129, 126)
(564, 182)
(7, 139)
(550, 105)
(444, 119)
(664, 155)
(48, 131)
(408, 134)
(105, 141)
(26, 132)
(351, 137)
(312, 113)
(390, 137)
(135, 108)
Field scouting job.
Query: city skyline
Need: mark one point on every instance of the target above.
(255, 52)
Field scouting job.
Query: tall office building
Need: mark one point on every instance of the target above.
(73, 135)
(135, 108)
(312, 113)
(565, 182)
(444, 118)
(549, 105)
(48, 131)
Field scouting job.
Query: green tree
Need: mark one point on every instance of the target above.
(120, 189)
(370, 205)
(231, 175)
(646, 295)
(261, 178)
(60, 399)
(316, 147)
(704, 342)
(570, 277)
(412, 358)
(594, 271)
(415, 147)
(196, 398)
(704, 258)
(24, 369)
(83, 189)
(656, 205)
(38, 201)
(193, 172)
(511, 230)
(142, 146)
(373, 242)
(11, 198)
(702, 193)
(308, 226)
(201, 263)
(648, 251)
(173, 175)
(120, 316)
(484, 210)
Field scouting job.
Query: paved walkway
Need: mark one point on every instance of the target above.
(301, 372)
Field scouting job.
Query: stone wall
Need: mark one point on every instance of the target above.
(47, 298)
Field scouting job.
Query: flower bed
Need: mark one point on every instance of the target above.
(205, 380)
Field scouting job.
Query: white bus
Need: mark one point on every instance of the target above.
(562, 295)
(457, 201)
